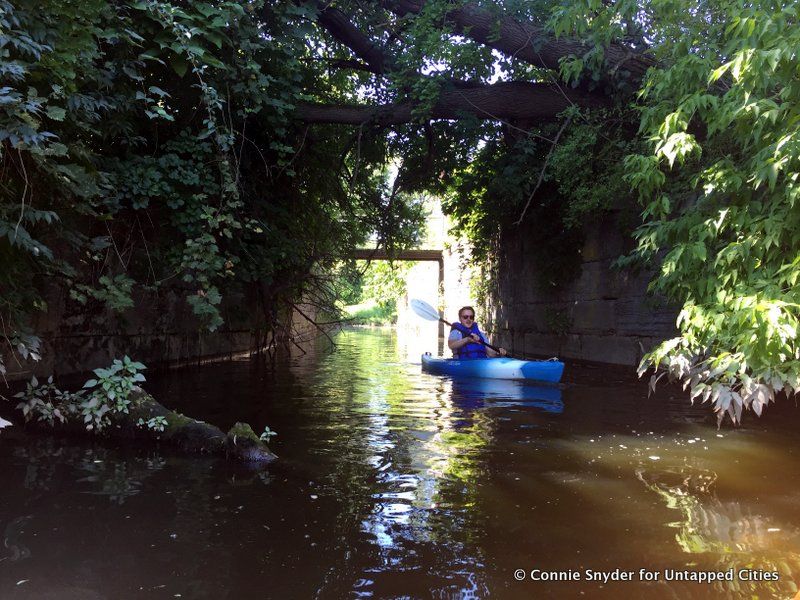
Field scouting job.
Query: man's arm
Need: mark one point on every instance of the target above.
(458, 343)
(455, 343)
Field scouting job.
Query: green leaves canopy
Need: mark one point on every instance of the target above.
(149, 145)
(176, 158)
(719, 186)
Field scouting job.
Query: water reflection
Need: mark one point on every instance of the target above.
(408, 446)
(15, 549)
(497, 393)
(44, 459)
(397, 483)
(733, 531)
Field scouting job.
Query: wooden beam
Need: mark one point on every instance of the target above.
(380, 254)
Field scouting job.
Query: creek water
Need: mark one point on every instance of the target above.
(393, 483)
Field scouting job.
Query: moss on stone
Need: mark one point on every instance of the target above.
(177, 420)
(243, 444)
(243, 431)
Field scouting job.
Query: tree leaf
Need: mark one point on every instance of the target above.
(55, 112)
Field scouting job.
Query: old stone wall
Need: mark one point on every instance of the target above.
(160, 331)
(604, 315)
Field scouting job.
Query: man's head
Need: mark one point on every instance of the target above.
(466, 314)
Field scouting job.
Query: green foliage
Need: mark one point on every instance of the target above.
(110, 391)
(267, 434)
(718, 182)
(379, 284)
(587, 166)
(385, 282)
(558, 195)
(24, 343)
(349, 283)
(153, 424)
(114, 291)
(101, 397)
(597, 24)
(149, 145)
(372, 314)
(44, 402)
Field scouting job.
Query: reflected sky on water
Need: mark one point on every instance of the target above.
(393, 483)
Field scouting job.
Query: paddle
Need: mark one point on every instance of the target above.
(426, 311)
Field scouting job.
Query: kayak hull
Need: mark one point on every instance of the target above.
(495, 368)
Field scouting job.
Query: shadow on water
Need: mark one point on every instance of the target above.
(397, 483)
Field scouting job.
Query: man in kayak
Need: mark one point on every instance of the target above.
(465, 338)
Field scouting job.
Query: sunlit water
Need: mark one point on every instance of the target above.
(392, 483)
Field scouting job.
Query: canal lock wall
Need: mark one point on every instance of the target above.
(161, 331)
(604, 315)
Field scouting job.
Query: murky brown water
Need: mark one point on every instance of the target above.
(397, 484)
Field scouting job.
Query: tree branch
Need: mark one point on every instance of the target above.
(525, 41)
(544, 168)
(513, 100)
(340, 27)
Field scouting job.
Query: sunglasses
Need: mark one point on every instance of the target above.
(467, 317)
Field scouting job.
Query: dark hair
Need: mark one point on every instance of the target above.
(463, 308)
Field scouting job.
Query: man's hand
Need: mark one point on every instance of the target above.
(502, 351)
(471, 338)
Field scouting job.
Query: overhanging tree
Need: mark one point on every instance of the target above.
(299, 106)
(147, 146)
(716, 167)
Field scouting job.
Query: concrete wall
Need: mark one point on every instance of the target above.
(161, 331)
(604, 316)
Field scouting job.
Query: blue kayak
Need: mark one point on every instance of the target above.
(495, 368)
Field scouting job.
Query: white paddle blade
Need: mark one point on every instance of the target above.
(424, 310)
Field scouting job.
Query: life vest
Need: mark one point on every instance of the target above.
(473, 349)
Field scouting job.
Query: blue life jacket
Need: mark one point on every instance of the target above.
(473, 349)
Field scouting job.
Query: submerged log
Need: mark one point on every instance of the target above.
(240, 443)
(244, 445)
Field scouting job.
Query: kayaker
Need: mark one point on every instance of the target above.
(465, 337)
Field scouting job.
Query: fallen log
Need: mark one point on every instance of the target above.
(240, 444)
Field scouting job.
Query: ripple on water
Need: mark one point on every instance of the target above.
(395, 483)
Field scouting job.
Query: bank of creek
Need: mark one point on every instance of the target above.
(393, 483)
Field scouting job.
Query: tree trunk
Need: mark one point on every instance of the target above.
(514, 100)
